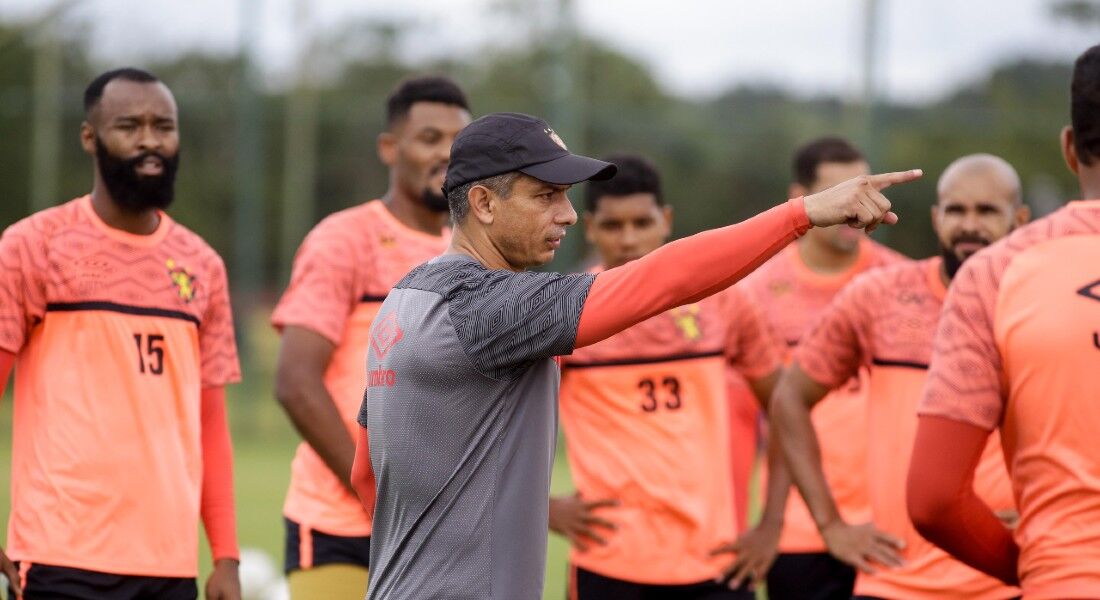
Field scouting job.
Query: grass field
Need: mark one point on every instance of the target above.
(264, 443)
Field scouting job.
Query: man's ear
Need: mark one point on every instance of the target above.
(482, 206)
(1069, 150)
(387, 148)
(87, 138)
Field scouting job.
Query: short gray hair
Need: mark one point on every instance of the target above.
(459, 198)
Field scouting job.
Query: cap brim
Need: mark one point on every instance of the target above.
(570, 169)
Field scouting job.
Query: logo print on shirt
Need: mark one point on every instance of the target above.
(1091, 290)
(386, 334)
(686, 319)
(182, 279)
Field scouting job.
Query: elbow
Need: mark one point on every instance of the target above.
(927, 505)
(288, 388)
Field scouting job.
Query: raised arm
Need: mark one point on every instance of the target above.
(700, 265)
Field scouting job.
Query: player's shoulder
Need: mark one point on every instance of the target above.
(183, 244)
(48, 222)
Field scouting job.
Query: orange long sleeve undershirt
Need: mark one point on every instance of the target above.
(943, 505)
(686, 271)
(219, 516)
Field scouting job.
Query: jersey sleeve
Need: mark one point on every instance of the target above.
(321, 293)
(751, 348)
(217, 341)
(834, 348)
(22, 292)
(508, 320)
(964, 379)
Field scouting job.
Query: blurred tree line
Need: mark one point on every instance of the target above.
(723, 158)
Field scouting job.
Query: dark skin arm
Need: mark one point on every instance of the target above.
(858, 545)
(756, 549)
(300, 388)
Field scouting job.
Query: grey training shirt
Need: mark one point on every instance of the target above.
(461, 406)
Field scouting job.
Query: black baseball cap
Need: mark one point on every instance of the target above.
(500, 143)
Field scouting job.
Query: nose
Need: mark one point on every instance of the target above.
(148, 140)
(630, 237)
(568, 215)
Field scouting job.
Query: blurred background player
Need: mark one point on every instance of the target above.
(885, 321)
(342, 273)
(117, 319)
(792, 289)
(634, 405)
(1018, 348)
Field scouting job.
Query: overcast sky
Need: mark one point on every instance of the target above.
(693, 46)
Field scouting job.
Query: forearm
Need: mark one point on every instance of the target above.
(218, 512)
(942, 503)
(314, 414)
(779, 486)
(362, 472)
(686, 270)
(793, 429)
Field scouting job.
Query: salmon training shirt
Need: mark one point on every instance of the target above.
(115, 337)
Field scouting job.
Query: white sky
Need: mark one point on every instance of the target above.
(693, 46)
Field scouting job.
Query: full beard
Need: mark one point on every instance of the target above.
(952, 262)
(133, 192)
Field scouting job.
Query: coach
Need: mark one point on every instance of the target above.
(462, 395)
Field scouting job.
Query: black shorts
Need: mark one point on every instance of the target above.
(44, 582)
(810, 576)
(323, 548)
(586, 585)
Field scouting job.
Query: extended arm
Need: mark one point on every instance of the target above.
(686, 270)
(698, 266)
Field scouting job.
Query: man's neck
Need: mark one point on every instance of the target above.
(480, 248)
(820, 258)
(1090, 182)
(413, 214)
(143, 222)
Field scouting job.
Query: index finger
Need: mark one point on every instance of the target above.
(885, 180)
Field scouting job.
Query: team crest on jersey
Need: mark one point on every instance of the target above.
(387, 241)
(385, 334)
(182, 279)
(555, 137)
(687, 321)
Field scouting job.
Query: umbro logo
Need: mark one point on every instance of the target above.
(385, 335)
(1091, 290)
